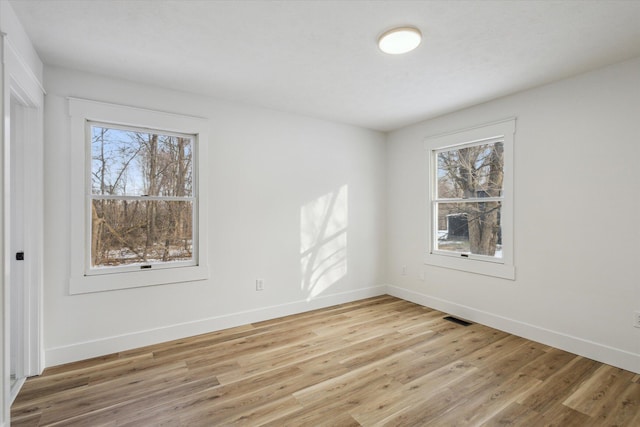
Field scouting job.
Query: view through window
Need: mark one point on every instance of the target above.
(468, 199)
(142, 199)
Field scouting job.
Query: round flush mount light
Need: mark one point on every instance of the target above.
(399, 40)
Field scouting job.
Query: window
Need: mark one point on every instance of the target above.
(141, 200)
(137, 195)
(470, 212)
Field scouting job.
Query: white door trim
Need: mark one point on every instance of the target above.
(18, 81)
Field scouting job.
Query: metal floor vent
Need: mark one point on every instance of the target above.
(458, 321)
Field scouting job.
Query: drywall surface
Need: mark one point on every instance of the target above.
(576, 213)
(274, 179)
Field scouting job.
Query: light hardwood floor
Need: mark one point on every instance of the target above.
(379, 361)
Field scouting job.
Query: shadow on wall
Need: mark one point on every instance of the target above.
(323, 241)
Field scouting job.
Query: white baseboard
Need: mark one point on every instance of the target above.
(84, 350)
(103, 346)
(592, 350)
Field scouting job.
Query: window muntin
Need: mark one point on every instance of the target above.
(468, 199)
(142, 197)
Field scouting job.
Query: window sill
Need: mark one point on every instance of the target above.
(493, 269)
(136, 279)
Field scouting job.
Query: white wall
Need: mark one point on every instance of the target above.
(265, 169)
(576, 210)
(577, 153)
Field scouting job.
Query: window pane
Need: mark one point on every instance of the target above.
(129, 232)
(471, 172)
(133, 163)
(469, 227)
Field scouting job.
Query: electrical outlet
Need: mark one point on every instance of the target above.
(404, 270)
(636, 319)
(259, 284)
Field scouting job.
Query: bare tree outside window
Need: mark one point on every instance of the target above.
(468, 199)
(142, 197)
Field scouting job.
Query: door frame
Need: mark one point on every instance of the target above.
(19, 82)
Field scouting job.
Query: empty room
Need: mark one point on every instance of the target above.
(320, 213)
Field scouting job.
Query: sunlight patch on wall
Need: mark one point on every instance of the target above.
(323, 241)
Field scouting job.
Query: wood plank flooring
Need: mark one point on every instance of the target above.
(379, 361)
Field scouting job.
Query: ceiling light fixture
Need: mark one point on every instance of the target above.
(399, 40)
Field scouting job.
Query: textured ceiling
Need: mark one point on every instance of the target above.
(320, 58)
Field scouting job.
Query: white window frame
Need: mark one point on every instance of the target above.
(89, 270)
(504, 267)
(84, 279)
